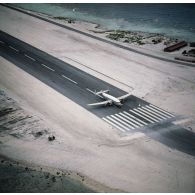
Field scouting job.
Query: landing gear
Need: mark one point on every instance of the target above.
(108, 104)
(119, 106)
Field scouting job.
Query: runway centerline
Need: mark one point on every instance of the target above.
(69, 79)
(13, 48)
(48, 67)
(29, 57)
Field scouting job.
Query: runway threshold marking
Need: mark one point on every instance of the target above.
(29, 57)
(121, 121)
(162, 110)
(111, 123)
(162, 114)
(13, 48)
(157, 114)
(124, 119)
(69, 79)
(141, 115)
(152, 116)
(117, 123)
(47, 67)
(137, 117)
(131, 119)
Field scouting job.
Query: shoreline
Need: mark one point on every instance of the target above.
(75, 18)
(96, 26)
(144, 42)
(47, 179)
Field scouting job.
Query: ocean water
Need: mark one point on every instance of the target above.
(173, 20)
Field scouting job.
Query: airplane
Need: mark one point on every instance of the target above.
(110, 100)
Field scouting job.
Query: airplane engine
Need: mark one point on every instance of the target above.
(110, 104)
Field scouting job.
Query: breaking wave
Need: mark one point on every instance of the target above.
(171, 20)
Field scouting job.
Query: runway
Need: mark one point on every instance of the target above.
(135, 116)
(78, 86)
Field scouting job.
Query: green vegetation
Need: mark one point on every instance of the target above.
(15, 178)
(126, 36)
(64, 18)
(116, 35)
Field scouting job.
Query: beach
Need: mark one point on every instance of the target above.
(21, 177)
(108, 161)
(143, 25)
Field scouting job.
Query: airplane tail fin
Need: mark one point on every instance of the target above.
(99, 93)
(102, 91)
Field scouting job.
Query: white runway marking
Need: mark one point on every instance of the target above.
(139, 124)
(30, 57)
(146, 115)
(142, 116)
(160, 113)
(69, 79)
(127, 129)
(150, 114)
(111, 123)
(47, 67)
(124, 119)
(135, 118)
(124, 123)
(151, 111)
(13, 48)
(90, 90)
(162, 110)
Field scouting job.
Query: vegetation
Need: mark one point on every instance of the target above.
(126, 37)
(64, 18)
(116, 35)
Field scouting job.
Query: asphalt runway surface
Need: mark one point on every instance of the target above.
(66, 79)
(136, 115)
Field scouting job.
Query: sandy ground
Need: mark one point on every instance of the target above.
(98, 151)
(22, 126)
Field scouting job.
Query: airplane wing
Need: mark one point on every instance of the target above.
(124, 96)
(104, 103)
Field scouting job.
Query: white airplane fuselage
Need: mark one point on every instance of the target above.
(112, 98)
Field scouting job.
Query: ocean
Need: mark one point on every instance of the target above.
(172, 20)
